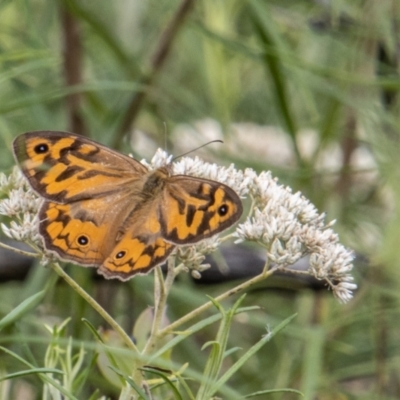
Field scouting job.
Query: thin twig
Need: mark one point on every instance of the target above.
(72, 60)
(157, 63)
(264, 275)
(19, 251)
(293, 271)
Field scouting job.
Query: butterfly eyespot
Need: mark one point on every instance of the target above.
(120, 254)
(41, 148)
(82, 240)
(223, 210)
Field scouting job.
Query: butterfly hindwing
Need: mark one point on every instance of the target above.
(140, 246)
(135, 255)
(71, 238)
(81, 231)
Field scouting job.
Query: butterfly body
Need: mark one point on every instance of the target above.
(104, 209)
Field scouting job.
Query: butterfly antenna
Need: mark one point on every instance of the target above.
(197, 148)
(165, 136)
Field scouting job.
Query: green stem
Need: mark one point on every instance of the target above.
(127, 393)
(264, 275)
(107, 317)
(19, 251)
(161, 292)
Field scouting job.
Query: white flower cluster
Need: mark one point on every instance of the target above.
(290, 227)
(22, 205)
(287, 225)
(193, 256)
(160, 159)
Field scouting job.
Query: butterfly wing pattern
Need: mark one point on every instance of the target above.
(182, 210)
(66, 168)
(105, 209)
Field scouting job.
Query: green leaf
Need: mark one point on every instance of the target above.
(92, 329)
(263, 392)
(31, 372)
(166, 379)
(183, 383)
(231, 351)
(42, 376)
(195, 328)
(26, 306)
(264, 28)
(216, 357)
(209, 343)
(312, 361)
(239, 363)
(131, 382)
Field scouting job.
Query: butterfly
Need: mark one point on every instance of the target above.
(104, 209)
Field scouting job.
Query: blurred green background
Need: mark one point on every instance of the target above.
(306, 89)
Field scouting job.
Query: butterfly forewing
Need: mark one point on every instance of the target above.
(194, 209)
(65, 167)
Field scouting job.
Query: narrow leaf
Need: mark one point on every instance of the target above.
(166, 379)
(239, 363)
(31, 372)
(263, 392)
(22, 309)
(131, 382)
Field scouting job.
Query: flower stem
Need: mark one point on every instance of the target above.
(264, 275)
(161, 292)
(107, 317)
(19, 251)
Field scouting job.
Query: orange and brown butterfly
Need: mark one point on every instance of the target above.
(104, 209)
